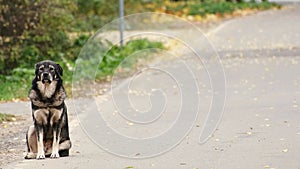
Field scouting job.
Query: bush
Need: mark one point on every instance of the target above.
(32, 31)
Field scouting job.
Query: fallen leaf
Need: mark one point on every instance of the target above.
(249, 133)
(129, 123)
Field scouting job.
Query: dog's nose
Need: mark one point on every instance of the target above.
(45, 74)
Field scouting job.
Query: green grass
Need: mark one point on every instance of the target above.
(13, 90)
(116, 55)
(16, 85)
(221, 7)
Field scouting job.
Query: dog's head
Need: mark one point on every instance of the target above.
(48, 71)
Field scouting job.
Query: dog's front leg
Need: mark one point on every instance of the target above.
(55, 122)
(40, 120)
(56, 140)
(40, 138)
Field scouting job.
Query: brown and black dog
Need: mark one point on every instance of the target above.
(49, 136)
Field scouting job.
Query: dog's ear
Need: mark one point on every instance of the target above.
(59, 70)
(37, 69)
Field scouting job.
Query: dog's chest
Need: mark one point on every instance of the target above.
(40, 101)
(47, 90)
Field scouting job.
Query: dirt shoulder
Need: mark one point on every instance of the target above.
(12, 136)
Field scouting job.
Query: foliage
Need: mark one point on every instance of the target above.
(32, 31)
(92, 14)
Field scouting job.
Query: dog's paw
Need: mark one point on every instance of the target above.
(54, 155)
(30, 155)
(40, 156)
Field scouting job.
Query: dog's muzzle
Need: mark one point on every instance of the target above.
(46, 77)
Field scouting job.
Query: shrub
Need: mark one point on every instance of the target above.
(32, 31)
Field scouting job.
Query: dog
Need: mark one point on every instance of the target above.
(49, 136)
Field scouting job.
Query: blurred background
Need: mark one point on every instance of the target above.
(31, 31)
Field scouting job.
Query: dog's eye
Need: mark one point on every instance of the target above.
(41, 69)
(51, 69)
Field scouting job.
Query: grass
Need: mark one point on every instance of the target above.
(11, 90)
(17, 85)
(116, 55)
(206, 7)
(6, 117)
